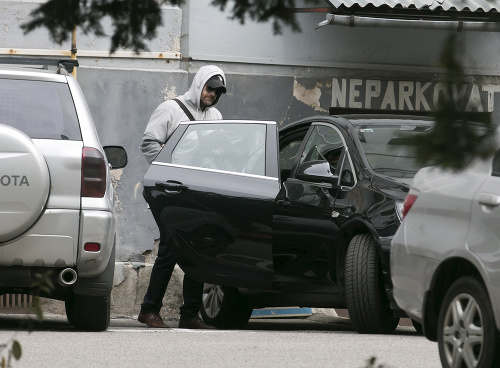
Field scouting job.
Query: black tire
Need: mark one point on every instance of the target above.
(88, 312)
(466, 311)
(367, 302)
(418, 327)
(69, 304)
(224, 307)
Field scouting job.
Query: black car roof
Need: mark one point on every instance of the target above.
(352, 115)
(366, 115)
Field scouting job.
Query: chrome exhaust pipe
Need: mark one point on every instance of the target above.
(67, 277)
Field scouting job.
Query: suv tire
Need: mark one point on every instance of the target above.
(88, 312)
(367, 302)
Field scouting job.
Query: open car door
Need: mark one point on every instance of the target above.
(212, 189)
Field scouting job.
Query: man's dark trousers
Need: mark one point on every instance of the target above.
(160, 276)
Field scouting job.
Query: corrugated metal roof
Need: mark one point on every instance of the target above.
(446, 5)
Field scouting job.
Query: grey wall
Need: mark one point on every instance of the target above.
(121, 102)
(330, 46)
(281, 78)
(13, 13)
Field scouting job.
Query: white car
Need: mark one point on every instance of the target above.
(445, 261)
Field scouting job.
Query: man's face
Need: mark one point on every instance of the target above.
(208, 96)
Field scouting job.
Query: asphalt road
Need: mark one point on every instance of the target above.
(318, 341)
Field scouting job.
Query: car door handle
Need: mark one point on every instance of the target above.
(489, 199)
(282, 203)
(170, 186)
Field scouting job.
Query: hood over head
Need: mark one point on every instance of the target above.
(200, 79)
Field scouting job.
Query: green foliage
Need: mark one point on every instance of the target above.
(41, 285)
(264, 11)
(13, 348)
(16, 349)
(135, 21)
(458, 136)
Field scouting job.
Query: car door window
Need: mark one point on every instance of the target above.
(288, 156)
(324, 144)
(227, 147)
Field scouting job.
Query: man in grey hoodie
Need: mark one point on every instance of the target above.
(207, 87)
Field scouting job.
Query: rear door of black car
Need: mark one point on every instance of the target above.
(212, 189)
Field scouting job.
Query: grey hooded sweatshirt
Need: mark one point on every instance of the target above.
(168, 115)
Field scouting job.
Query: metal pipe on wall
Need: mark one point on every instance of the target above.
(165, 55)
(362, 21)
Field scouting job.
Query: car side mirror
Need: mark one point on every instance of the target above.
(117, 156)
(316, 172)
(347, 178)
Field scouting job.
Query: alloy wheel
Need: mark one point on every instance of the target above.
(463, 332)
(213, 295)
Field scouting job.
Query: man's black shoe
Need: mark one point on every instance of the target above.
(153, 320)
(195, 323)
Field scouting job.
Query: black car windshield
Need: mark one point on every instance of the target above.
(388, 145)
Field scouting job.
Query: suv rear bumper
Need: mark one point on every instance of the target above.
(100, 285)
(56, 241)
(51, 242)
(95, 227)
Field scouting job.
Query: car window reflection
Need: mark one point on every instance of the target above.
(228, 147)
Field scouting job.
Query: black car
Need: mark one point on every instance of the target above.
(297, 216)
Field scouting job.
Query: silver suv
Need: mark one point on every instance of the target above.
(56, 195)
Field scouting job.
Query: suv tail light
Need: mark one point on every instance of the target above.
(93, 173)
(92, 247)
(408, 203)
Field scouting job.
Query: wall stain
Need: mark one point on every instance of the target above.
(169, 93)
(308, 96)
(136, 188)
(117, 174)
(115, 180)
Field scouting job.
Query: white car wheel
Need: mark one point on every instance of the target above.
(467, 334)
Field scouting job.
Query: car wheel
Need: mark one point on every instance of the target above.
(418, 327)
(467, 334)
(69, 305)
(367, 301)
(224, 307)
(88, 312)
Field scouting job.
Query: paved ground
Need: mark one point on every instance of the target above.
(316, 341)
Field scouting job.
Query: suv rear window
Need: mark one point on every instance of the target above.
(43, 110)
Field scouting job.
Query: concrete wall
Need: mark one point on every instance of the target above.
(212, 36)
